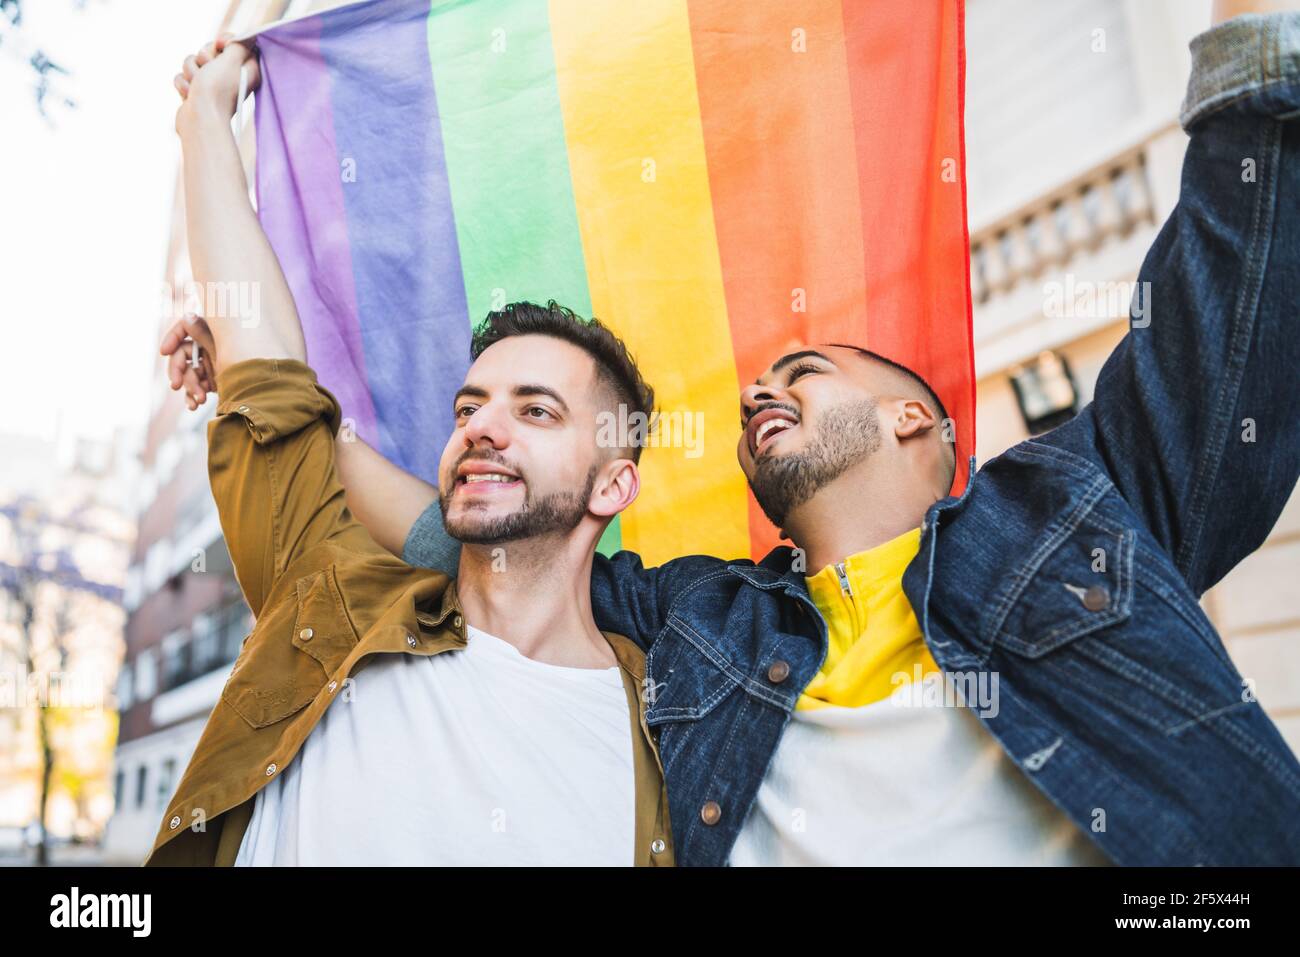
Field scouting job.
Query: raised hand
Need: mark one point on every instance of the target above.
(210, 77)
(196, 377)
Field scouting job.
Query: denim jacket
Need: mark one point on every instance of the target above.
(1072, 564)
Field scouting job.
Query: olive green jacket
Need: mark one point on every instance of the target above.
(325, 597)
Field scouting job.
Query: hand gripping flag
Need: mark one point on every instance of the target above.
(714, 179)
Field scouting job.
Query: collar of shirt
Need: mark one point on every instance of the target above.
(874, 642)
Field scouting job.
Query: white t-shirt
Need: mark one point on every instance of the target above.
(479, 756)
(892, 784)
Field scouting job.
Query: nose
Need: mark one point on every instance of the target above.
(489, 425)
(752, 396)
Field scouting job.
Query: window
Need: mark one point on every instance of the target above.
(156, 562)
(141, 778)
(233, 622)
(174, 659)
(146, 674)
(205, 649)
(165, 782)
(124, 688)
(1046, 392)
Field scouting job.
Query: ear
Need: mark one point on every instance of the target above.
(617, 486)
(914, 419)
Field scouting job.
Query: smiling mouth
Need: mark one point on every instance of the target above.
(768, 429)
(486, 482)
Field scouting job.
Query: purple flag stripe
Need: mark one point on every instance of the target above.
(405, 256)
(300, 203)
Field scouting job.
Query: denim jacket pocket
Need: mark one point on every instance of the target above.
(291, 653)
(1076, 580)
(688, 677)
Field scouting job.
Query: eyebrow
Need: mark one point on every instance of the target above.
(519, 392)
(522, 391)
(784, 361)
(470, 390)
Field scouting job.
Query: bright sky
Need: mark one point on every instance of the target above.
(85, 209)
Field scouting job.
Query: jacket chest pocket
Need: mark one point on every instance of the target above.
(1088, 616)
(1076, 581)
(291, 653)
(687, 677)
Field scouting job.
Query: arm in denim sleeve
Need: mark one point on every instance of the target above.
(428, 544)
(631, 600)
(626, 597)
(271, 466)
(1196, 414)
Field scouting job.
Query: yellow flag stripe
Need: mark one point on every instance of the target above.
(626, 78)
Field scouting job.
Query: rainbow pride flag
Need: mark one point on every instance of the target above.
(713, 179)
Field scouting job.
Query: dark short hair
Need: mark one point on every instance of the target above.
(916, 377)
(616, 370)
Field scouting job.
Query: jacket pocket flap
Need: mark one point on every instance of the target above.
(322, 628)
(686, 678)
(289, 656)
(1077, 579)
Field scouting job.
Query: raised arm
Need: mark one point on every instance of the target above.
(229, 252)
(386, 499)
(1196, 415)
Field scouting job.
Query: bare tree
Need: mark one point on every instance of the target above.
(46, 73)
(43, 585)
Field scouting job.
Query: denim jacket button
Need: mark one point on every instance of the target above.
(779, 671)
(657, 846)
(711, 813)
(1096, 598)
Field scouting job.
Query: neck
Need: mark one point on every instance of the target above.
(861, 509)
(535, 594)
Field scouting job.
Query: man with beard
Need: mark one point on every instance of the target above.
(380, 713)
(1021, 674)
